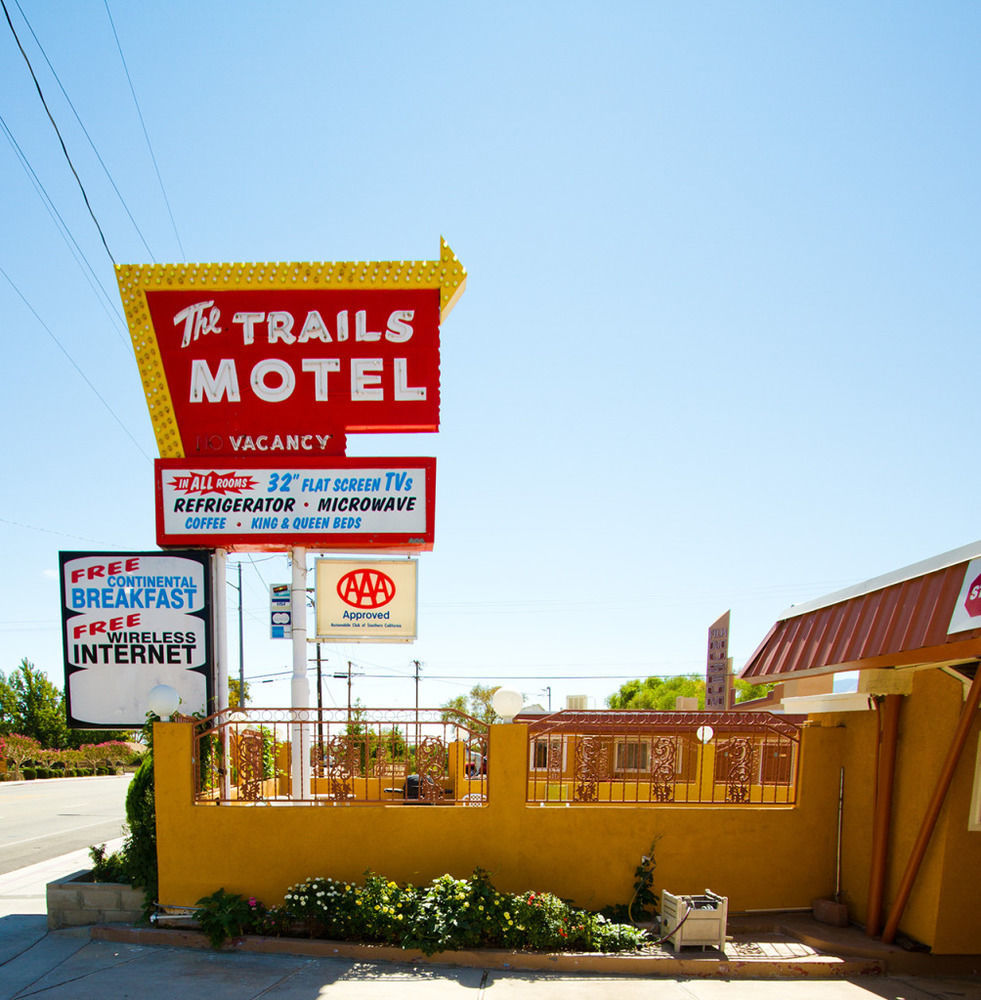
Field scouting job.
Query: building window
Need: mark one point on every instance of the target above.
(633, 755)
(776, 764)
(540, 753)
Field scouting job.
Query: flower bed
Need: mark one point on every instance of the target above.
(448, 914)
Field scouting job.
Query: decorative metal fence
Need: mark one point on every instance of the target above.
(664, 758)
(335, 757)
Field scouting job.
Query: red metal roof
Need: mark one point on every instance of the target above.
(901, 624)
(634, 720)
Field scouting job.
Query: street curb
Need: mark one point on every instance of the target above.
(809, 967)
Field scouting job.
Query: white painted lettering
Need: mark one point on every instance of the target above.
(403, 391)
(399, 330)
(364, 384)
(224, 382)
(248, 321)
(320, 367)
(286, 386)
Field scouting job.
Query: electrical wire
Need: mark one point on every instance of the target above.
(81, 125)
(88, 272)
(50, 531)
(54, 125)
(74, 364)
(146, 134)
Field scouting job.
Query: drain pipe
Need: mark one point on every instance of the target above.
(841, 811)
(884, 782)
(933, 810)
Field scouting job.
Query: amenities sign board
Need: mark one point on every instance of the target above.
(366, 601)
(131, 621)
(271, 503)
(286, 359)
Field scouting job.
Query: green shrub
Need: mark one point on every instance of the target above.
(450, 913)
(108, 867)
(136, 862)
(141, 845)
(223, 915)
(28, 773)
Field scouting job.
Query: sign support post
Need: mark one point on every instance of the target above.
(300, 687)
(221, 659)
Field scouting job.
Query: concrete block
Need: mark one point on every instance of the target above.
(827, 911)
(73, 901)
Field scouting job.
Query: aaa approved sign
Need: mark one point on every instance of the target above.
(366, 601)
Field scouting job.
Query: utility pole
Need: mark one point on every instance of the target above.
(349, 666)
(418, 668)
(241, 645)
(320, 704)
(348, 675)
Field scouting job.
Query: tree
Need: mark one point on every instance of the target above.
(658, 693)
(19, 748)
(476, 704)
(745, 691)
(32, 706)
(234, 701)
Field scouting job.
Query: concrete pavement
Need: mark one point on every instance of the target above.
(69, 965)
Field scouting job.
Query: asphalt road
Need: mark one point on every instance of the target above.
(45, 819)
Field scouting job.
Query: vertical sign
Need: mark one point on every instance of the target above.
(280, 611)
(717, 696)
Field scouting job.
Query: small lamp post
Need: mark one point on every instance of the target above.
(507, 703)
(163, 701)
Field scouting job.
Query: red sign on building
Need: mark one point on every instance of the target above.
(717, 695)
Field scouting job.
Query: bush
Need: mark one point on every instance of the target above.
(450, 913)
(108, 868)
(28, 773)
(136, 862)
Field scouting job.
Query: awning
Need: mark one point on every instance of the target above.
(906, 618)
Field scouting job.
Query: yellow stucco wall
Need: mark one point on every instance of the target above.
(762, 858)
(942, 911)
(586, 853)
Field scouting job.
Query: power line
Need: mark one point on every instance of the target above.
(54, 125)
(81, 125)
(88, 272)
(73, 363)
(146, 134)
(50, 531)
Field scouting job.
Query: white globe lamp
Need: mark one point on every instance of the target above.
(507, 703)
(163, 701)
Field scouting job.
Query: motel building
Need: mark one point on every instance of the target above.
(871, 798)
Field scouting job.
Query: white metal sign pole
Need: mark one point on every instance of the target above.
(218, 602)
(300, 768)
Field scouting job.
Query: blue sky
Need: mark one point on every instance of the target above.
(717, 348)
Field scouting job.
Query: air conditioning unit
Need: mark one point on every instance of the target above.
(576, 702)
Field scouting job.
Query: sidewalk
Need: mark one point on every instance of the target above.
(116, 961)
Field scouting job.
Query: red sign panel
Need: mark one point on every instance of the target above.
(279, 370)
